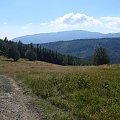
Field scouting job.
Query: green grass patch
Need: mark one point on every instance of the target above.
(77, 94)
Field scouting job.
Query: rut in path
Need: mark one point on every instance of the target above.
(14, 105)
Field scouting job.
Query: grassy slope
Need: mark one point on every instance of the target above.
(70, 93)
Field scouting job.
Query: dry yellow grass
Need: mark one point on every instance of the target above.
(10, 68)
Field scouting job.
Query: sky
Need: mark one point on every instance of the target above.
(25, 17)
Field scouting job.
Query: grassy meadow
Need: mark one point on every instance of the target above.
(69, 92)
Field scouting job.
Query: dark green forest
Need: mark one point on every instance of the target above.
(84, 48)
(18, 50)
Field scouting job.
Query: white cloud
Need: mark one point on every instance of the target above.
(110, 18)
(111, 22)
(74, 20)
(114, 25)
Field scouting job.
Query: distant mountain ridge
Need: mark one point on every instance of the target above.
(63, 36)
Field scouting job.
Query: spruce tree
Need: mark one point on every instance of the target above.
(31, 55)
(100, 56)
(13, 53)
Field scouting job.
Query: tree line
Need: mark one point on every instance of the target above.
(16, 50)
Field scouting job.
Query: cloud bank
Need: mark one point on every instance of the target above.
(84, 21)
(112, 22)
(72, 19)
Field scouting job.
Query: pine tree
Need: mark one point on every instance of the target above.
(22, 49)
(100, 56)
(13, 52)
(31, 55)
(6, 40)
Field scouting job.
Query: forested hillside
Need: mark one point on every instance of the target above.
(20, 50)
(84, 48)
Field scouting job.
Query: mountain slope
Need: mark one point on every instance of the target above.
(84, 48)
(63, 36)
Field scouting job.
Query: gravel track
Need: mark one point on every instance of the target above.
(14, 105)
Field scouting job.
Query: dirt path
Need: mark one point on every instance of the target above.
(14, 105)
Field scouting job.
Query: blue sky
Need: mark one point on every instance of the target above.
(22, 17)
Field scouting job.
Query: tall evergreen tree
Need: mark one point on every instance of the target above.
(100, 56)
(22, 49)
(13, 52)
(6, 39)
(31, 55)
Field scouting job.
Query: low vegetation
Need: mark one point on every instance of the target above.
(69, 92)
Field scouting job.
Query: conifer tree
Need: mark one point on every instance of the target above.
(31, 55)
(100, 56)
(13, 52)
